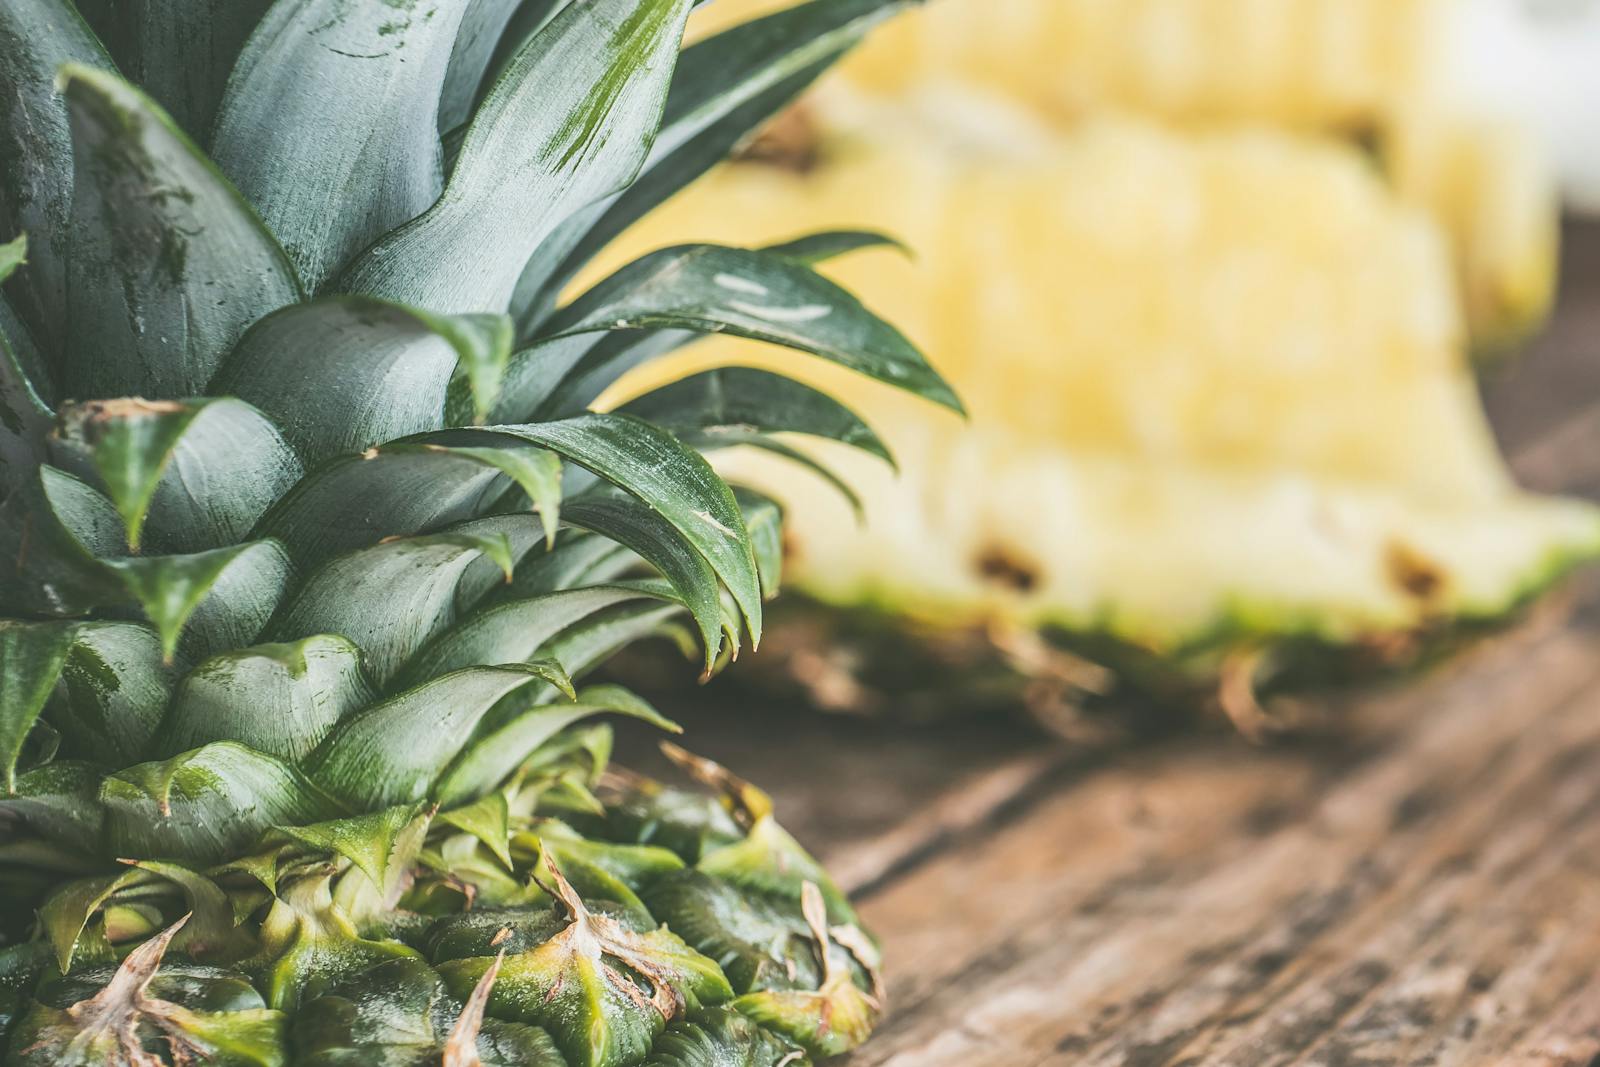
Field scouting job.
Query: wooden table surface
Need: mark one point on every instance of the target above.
(1420, 885)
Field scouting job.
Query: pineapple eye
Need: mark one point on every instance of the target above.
(1002, 566)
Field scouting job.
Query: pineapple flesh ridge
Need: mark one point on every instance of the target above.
(308, 549)
(1216, 379)
(1368, 71)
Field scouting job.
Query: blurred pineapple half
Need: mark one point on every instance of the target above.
(1224, 432)
(1373, 72)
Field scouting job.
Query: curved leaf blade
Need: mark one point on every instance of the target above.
(654, 466)
(398, 490)
(152, 307)
(755, 294)
(563, 377)
(393, 752)
(482, 28)
(764, 518)
(636, 526)
(736, 401)
(570, 121)
(209, 468)
(391, 598)
(515, 631)
(31, 658)
(368, 841)
(330, 180)
(60, 803)
(36, 38)
(492, 758)
(170, 588)
(235, 610)
(180, 51)
(206, 805)
(113, 692)
(53, 532)
(725, 87)
(345, 373)
(25, 418)
(308, 685)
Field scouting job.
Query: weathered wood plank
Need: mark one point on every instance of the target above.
(1203, 905)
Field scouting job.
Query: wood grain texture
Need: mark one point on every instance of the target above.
(1419, 883)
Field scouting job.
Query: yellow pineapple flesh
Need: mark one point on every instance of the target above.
(1217, 383)
(1367, 71)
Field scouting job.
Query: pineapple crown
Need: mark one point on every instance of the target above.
(306, 526)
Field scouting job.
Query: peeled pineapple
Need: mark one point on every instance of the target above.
(1327, 64)
(1371, 72)
(1219, 399)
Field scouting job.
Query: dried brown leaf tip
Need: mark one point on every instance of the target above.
(597, 936)
(743, 800)
(112, 1016)
(461, 1049)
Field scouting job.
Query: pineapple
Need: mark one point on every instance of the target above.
(1369, 71)
(1223, 428)
(306, 551)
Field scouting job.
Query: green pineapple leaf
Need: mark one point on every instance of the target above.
(329, 181)
(346, 373)
(673, 480)
(242, 599)
(403, 489)
(483, 28)
(25, 418)
(180, 51)
(210, 926)
(59, 801)
(206, 805)
(533, 470)
(54, 531)
(755, 294)
(129, 443)
(68, 910)
(113, 691)
(814, 248)
(36, 38)
(509, 736)
(368, 841)
(563, 377)
(514, 631)
(31, 658)
(390, 599)
(591, 641)
(489, 820)
(310, 684)
(210, 467)
(569, 121)
(763, 516)
(171, 588)
(732, 402)
(725, 87)
(391, 753)
(629, 522)
(151, 309)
